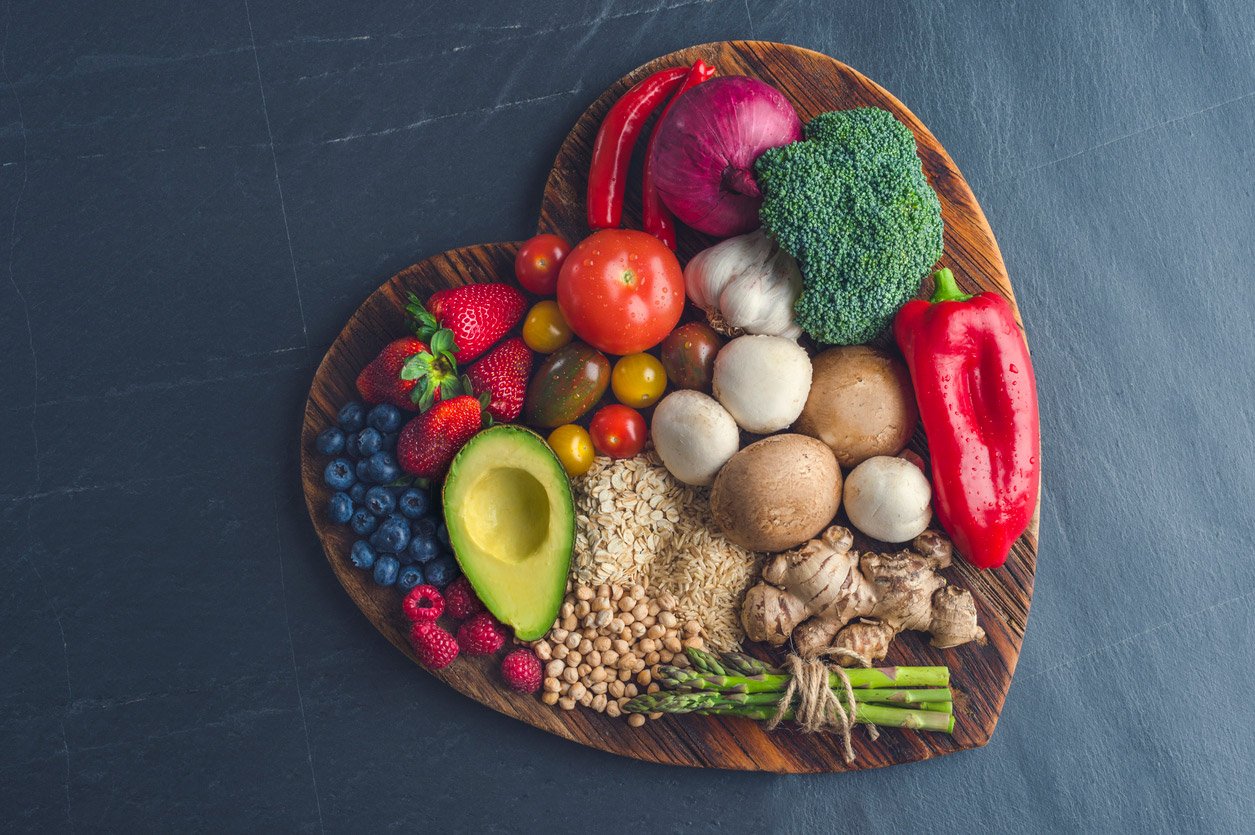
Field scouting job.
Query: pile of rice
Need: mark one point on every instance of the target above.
(635, 523)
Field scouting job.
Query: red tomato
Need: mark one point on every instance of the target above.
(618, 431)
(538, 261)
(621, 290)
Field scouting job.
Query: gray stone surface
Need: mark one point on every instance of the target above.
(193, 198)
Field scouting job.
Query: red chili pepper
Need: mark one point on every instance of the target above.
(612, 150)
(978, 402)
(656, 219)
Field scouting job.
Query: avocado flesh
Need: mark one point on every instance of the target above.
(511, 521)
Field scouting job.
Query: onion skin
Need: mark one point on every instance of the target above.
(703, 161)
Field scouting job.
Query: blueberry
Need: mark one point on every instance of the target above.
(385, 417)
(386, 569)
(422, 549)
(340, 508)
(362, 555)
(441, 571)
(339, 474)
(358, 493)
(392, 536)
(363, 521)
(410, 577)
(413, 503)
(352, 417)
(382, 468)
(330, 441)
(380, 501)
(442, 534)
(423, 528)
(365, 443)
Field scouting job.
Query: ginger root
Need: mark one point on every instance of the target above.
(829, 597)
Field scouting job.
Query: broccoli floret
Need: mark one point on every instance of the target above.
(851, 203)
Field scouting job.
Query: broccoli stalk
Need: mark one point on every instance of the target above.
(850, 202)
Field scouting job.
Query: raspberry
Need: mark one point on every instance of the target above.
(423, 604)
(521, 669)
(461, 599)
(435, 647)
(481, 635)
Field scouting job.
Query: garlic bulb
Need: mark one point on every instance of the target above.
(746, 284)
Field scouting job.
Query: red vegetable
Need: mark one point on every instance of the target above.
(703, 157)
(612, 150)
(655, 218)
(978, 402)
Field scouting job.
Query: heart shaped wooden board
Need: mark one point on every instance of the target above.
(981, 675)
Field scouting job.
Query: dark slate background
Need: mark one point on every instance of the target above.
(195, 195)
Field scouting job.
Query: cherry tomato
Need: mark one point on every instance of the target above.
(573, 447)
(688, 355)
(544, 329)
(618, 431)
(538, 261)
(621, 290)
(638, 380)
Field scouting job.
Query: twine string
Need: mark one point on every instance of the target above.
(818, 707)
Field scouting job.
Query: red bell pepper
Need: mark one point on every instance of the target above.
(978, 402)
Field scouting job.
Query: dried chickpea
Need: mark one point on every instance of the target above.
(554, 668)
(615, 689)
(582, 609)
(572, 640)
(644, 677)
(585, 647)
(646, 645)
(626, 603)
(692, 627)
(570, 675)
(583, 593)
(665, 657)
(635, 720)
(654, 608)
(609, 658)
(612, 710)
(577, 690)
(601, 604)
(551, 685)
(616, 592)
(549, 697)
(625, 675)
(601, 644)
(655, 715)
(640, 612)
(672, 643)
(573, 658)
(584, 669)
(603, 590)
(543, 651)
(629, 690)
(649, 621)
(667, 619)
(638, 629)
(627, 618)
(638, 591)
(694, 642)
(586, 700)
(599, 702)
(597, 687)
(566, 703)
(558, 634)
(652, 658)
(560, 651)
(603, 619)
(570, 622)
(593, 659)
(620, 646)
(567, 610)
(653, 688)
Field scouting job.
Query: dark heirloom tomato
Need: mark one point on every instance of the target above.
(621, 290)
(566, 385)
(688, 355)
(618, 431)
(538, 261)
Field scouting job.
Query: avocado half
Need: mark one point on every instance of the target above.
(511, 521)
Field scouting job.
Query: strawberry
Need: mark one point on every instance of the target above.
(411, 375)
(477, 314)
(428, 443)
(503, 373)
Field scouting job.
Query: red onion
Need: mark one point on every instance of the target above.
(704, 158)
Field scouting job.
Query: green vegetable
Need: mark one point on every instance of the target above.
(851, 203)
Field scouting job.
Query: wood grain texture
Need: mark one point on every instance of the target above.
(982, 674)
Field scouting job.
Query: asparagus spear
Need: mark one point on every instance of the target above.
(674, 678)
(753, 706)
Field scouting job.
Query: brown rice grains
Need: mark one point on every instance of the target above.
(635, 523)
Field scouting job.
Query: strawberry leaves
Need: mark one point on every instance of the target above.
(436, 369)
(426, 327)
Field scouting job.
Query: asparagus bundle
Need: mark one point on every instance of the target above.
(734, 684)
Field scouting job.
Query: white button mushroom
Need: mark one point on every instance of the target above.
(694, 436)
(762, 381)
(888, 499)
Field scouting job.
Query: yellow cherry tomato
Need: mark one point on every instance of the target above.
(574, 448)
(638, 380)
(544, 329)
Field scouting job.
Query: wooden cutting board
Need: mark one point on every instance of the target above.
(981, 674)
